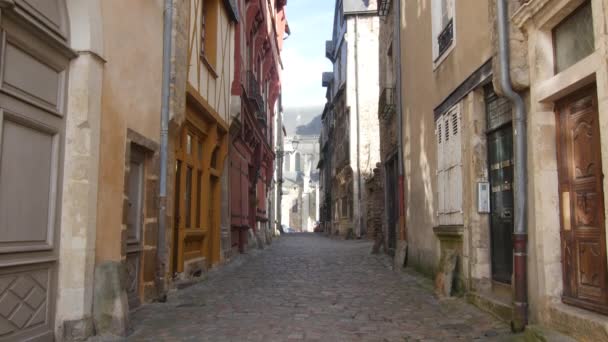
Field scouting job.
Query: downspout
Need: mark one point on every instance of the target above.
(280, 164)
(164, 142)
(360, 218)
(400, 160)
(520, 234)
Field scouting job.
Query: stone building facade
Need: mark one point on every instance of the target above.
(388, 116)
(301, 182)
(352, 101)
(459, 156)
(562, 58)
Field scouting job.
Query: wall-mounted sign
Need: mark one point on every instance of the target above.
(483, 197)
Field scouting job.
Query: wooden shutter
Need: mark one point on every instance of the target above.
(448, 132)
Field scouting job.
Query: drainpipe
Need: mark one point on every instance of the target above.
(360, 218)
(520, 234)
(280, 165)
(400, 160)
(164, 142)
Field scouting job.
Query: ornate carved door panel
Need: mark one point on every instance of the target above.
(583, 230)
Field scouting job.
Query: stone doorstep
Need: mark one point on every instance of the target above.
(537, 333)
(581, 324)
(486, 302)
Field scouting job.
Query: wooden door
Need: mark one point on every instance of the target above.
(500, 158)
(392, 205)
(189, 232)
(583, 231)
(135, 218)
(33, 83)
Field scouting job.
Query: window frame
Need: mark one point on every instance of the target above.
(450, 206)
(207, 33)
(578, 9)
(437, 15)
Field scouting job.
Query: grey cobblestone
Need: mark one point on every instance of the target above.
(310, 288)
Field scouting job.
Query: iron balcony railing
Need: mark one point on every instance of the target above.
(384, 6)
(445, 38)
(253, 90)
(261, 116)
(387, 103)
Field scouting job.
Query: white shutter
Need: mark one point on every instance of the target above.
(449, 167)
(441, 143)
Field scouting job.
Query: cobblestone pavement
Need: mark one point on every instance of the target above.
(312, 288)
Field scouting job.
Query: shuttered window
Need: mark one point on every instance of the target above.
(449, 167)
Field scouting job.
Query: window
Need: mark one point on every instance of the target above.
(442, 26)
(344, 207)
(208, 30)
(298, 162)
(287, 163)
(135, 190)
(573, 38)
(449, 167)
(214, 157)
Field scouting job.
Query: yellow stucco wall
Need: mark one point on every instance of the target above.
(131, 99)
(424, 88)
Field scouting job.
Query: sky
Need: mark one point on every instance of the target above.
(311, 24)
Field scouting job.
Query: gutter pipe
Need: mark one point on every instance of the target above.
(520, 234)
(400, 160)
(359, 233)
(164, 142)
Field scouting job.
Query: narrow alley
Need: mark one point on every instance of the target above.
(309, 287)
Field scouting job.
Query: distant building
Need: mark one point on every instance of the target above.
(351, 150)
(300, 206)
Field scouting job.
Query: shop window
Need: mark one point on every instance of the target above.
(214, 156)
(449, 167)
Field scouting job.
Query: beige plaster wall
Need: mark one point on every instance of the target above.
(424, 89)
(131, 98)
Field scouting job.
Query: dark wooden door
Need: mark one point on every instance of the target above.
(583, 231)
(392, 205)
(500, 158)
(135, 220)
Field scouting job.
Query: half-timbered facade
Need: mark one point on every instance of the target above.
(255, 90)
(200, 138)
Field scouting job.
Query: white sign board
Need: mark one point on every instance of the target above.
(483, 197)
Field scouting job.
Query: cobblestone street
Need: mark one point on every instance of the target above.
(307, 287)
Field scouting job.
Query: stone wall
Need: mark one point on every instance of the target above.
(375, 208)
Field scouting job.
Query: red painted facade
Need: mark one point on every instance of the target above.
(257, 64)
